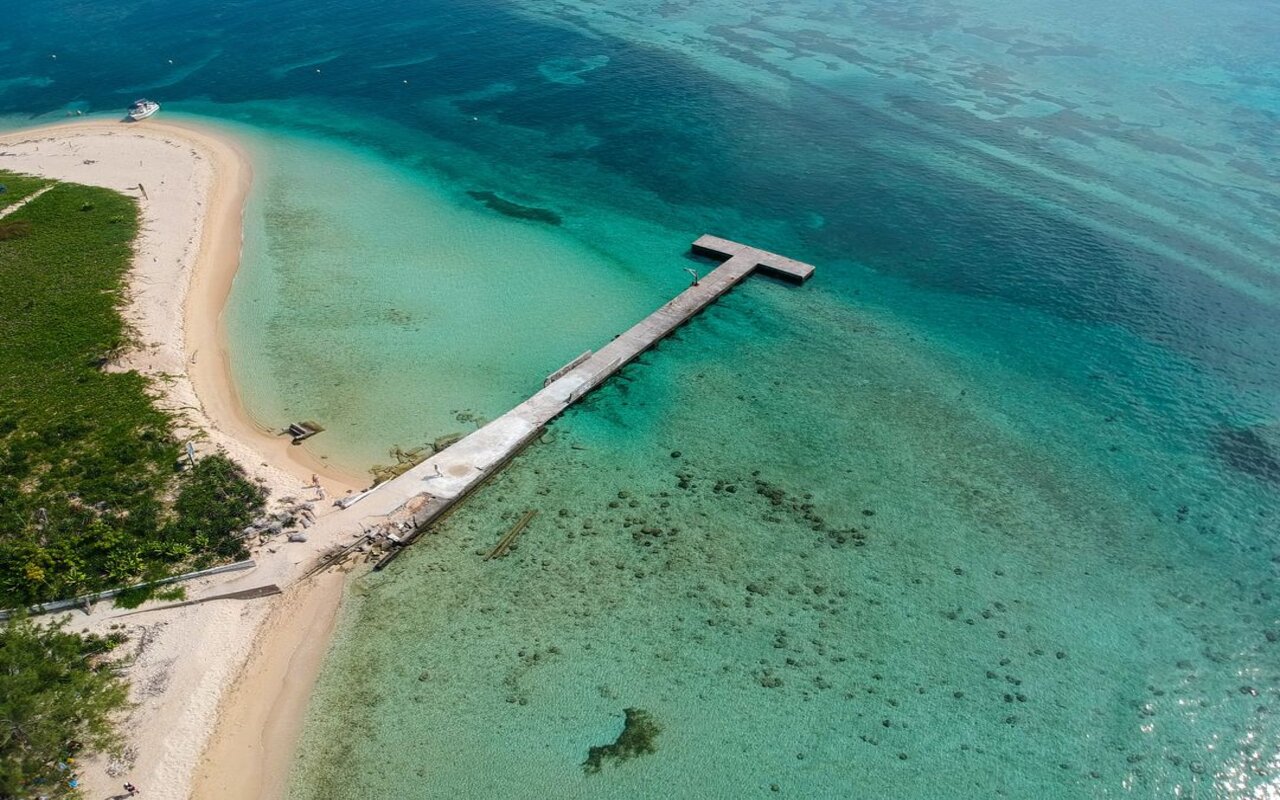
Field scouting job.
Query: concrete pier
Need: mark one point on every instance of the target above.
(740, 257)
(431, 488)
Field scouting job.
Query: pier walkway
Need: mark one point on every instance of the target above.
(431, 488)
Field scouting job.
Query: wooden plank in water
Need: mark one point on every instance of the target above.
(505, 543)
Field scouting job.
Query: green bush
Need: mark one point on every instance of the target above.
(89, 496)
(215, 502)
(58, 695)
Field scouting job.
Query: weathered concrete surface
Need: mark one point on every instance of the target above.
(432, 487)
(780, 266)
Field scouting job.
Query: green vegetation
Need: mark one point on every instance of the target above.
(17, 187)
(636, 739)
(92, 494)
(58, 694)
(92, 490)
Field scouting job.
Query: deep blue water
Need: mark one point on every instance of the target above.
(1045, 329)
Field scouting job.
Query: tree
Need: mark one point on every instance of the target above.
(58, 695)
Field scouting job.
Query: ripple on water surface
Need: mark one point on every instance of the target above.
(842, 575)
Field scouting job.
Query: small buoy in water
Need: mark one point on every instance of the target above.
(171, 61)
(53, 55)
(317, 69)
(404, 81)
(475, 119)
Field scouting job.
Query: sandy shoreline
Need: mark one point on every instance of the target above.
(201, 723)
(208, 361)
(188, 254)
(260, 720)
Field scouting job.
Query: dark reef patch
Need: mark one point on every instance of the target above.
(1254, 451)
(636, 739)
(505, 206)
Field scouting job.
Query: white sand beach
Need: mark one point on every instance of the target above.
(191, 183)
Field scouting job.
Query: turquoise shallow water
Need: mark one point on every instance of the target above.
(885, 579)
(377, 302)
(989, 508)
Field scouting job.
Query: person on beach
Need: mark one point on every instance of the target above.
(315, 484)
(131, 789)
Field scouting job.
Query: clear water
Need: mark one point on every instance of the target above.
(392, 311)
(1042, 348)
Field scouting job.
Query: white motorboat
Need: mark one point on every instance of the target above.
(141, 109)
